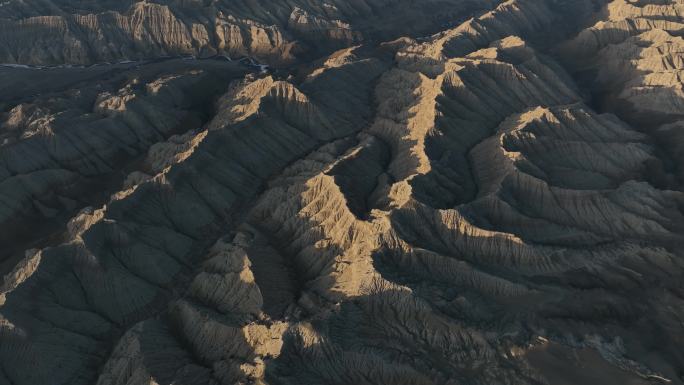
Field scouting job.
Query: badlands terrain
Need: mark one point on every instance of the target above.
(447, 192)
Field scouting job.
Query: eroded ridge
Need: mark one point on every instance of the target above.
(458, 208)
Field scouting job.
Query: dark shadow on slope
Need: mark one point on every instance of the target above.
(362, 175)
(275, 277)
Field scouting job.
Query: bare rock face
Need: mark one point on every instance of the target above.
(633, 54)
(85, 135)
(55, 32)
(497, 203)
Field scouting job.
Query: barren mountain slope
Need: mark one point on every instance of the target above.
(84, 32)
(498, 203)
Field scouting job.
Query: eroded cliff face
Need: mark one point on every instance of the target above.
(460, 208)
(633, 55)
(58, 32)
